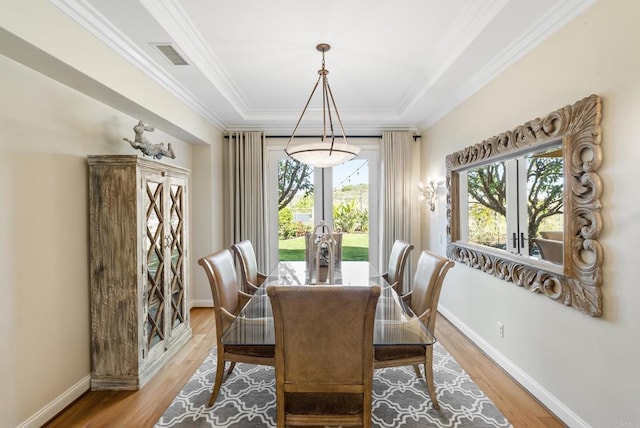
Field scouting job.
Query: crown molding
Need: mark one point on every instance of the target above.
(561, 14)
(82, 12)
(174, 20)
(467, 27)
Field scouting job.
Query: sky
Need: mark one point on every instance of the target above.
(346, 173)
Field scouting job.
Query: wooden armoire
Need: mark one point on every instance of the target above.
(138, 236)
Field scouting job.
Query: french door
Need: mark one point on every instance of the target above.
(350, 191)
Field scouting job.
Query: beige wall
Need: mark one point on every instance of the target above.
(586, 369)
(47, 130)
(206, 215)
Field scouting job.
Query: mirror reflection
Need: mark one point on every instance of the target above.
(545, 204)
(516, 204)
(524, 205)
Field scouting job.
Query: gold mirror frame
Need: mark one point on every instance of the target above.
(577, 282)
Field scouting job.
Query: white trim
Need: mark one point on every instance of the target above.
(548, 24)
(49, 411)
(538, 391)
(93, 21)
(201, 303)
(176, 22)
(467, 27)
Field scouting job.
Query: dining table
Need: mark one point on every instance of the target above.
(395, 323)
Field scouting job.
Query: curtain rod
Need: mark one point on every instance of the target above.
(415, 137)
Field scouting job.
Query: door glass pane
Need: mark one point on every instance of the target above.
(295, 208)
(545, 200)
(153, 247)
(487, 205)
(351, 208)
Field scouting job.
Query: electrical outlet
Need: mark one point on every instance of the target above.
(500, 329)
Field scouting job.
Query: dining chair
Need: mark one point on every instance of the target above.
(423, 301)
(323, 354)
(251, 278)
(397, 262)
(550, 249)
(228, 300)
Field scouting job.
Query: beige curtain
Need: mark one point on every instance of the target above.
(245, 193)
(397, 160)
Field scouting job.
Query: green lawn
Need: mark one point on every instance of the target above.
(355, 247)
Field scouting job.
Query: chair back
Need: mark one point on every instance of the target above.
(550, 249)
(556, 235)
(248, 263)
(223, 280)
(397, 262)
(427, 283)
(324, 353)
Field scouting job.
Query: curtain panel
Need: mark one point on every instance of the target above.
(397, 160)
(245, 194)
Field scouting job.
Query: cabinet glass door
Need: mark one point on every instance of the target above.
(176, 247)
(154, 266)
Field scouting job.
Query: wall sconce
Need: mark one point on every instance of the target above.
(428, 193)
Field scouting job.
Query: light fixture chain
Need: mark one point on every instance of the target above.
(326, 105)
(344, 135)
(324, 154)
(324, 102)
(313, 91)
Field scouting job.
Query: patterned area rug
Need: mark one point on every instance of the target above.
(247, 399)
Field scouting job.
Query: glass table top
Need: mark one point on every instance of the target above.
(395, 323)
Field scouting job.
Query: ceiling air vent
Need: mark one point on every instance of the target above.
(170, 53)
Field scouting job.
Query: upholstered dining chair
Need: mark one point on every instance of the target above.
(550, 249)
(423, 301)
(228, 300)
(324, 354)
(251, 278)
(397, 262)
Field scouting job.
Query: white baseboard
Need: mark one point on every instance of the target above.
(545, 397)
(69, 396)
(56, 406)
(201, 303)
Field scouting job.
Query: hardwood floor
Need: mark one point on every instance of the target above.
(144, 407)
(519, 407)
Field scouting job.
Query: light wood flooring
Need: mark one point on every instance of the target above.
(144, 407)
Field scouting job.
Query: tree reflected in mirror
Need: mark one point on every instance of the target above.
(545, 203)
(488, 205)
(511, 201)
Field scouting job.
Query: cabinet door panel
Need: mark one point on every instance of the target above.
(177, 252)
(154, 260)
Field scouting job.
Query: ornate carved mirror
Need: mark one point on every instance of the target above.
(524, 205)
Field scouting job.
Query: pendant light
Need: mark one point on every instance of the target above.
(328, 152)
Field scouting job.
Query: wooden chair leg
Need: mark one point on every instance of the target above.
(428, 374)
(416, 368)
(218, 382)
(281, 417)
(231, 366)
